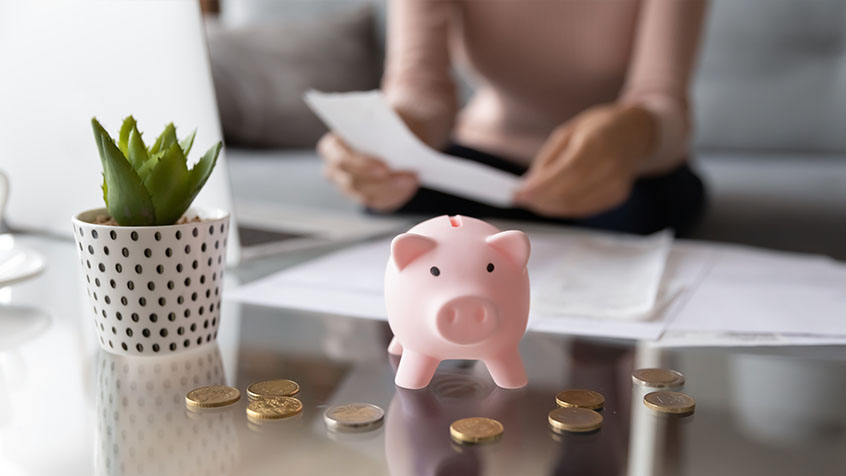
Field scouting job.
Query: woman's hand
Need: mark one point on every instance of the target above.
(363, 178)
(588, 164)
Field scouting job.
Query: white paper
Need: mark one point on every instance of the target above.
(366, 122)
(606, 277)
(350, 282)
(743, 339)
(752, 291)
(709, 294)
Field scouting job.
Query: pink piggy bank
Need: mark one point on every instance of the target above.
(457, 288)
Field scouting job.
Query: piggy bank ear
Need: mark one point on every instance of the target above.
(407, 247)
(513, 244)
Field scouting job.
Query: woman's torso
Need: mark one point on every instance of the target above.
(536, 64)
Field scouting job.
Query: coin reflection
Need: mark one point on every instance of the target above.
(143, 426)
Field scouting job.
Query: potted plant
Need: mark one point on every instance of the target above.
(153, 267)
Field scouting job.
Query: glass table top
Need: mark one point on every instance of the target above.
(68, 408)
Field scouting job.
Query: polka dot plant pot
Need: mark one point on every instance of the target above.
(154, 290)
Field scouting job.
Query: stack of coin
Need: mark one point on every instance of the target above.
(577, 411)
(475, 430)
(273, 400)
(663, 401)
(269, 400)
(353, 417)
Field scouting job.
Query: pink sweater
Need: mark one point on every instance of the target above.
(539, 63)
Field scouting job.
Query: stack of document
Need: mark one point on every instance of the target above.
(618, 286)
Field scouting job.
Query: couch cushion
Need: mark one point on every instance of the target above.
(772, 76)
(261, 72)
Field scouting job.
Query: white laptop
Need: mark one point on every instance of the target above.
(64, 62)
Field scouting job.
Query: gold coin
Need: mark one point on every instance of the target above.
(212, 396)
(657, 378)
(475, 430)
(273, 388)
(353, 417)
(574, 419)
(580, 398)
(274, 408)
(675, 403)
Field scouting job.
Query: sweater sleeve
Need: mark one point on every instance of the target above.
(418, 80)
(660, 72)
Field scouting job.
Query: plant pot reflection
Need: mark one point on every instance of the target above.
(142, 425)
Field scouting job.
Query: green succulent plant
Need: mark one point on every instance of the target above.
(145, 186)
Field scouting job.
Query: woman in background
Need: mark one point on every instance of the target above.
(585, 99)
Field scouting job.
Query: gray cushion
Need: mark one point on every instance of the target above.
(772, 76)
(261, 72)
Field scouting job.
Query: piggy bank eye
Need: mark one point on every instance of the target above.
(435, 271)
(490, 267)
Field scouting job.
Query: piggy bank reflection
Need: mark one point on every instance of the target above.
(417, 440)
(143, 425)
(457, 288)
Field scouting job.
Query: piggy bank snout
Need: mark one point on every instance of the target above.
(467, 319)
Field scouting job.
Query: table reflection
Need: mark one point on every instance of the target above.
(143, 426)
(417, 440)
(787, 402)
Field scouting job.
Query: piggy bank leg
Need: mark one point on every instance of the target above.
(395, 348)
(415, 370)
(507, 370)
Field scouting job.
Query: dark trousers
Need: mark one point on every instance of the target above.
(673, 200)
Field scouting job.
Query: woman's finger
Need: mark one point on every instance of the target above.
(564, 186)
(558, 177)
(381, 194)
(390, 194)
(551, 150)
(600, 199)
(338, 154)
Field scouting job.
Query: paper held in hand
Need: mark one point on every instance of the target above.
(366, 122)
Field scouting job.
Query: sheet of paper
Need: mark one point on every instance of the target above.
(750, 291)
(743, 339)
(368, 124)
(350, 282)
(615, 277)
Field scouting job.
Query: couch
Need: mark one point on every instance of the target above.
(770, 102)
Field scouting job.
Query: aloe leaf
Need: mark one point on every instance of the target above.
(187, 142)
(165, 140)
(125, 129)
(127, 199)
(169, 186)
(137, 150)
(150, 164)
(105, 188)
(203, 168)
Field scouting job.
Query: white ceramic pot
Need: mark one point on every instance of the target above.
(154, 289)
